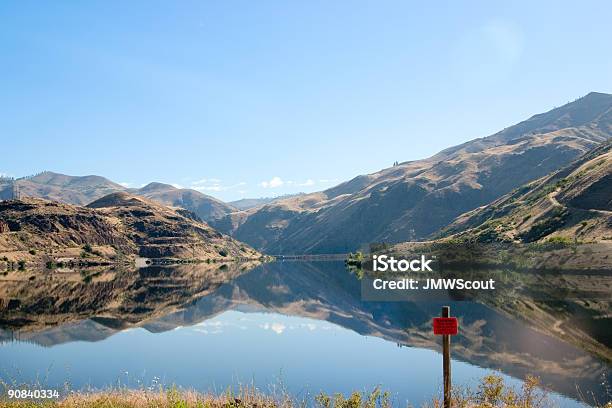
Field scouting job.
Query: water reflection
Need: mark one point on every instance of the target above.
(517, 336)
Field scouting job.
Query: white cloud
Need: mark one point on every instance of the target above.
(325, 181)
(213, 184)
(206, 331)
(176, 185)
(273, 183)
(309, 182)
(215, 323)
(125, 184)
(216, 326)
(277, 328)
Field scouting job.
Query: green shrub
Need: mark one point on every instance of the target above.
(562, 241)
(554, 221)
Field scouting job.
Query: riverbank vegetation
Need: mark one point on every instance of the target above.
(552, 254)
(491, 392)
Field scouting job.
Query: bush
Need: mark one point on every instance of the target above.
(561, 241)
(547, 226)
(223, 252)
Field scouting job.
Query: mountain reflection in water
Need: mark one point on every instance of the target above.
(572, 358)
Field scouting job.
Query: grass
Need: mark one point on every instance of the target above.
(491, 392)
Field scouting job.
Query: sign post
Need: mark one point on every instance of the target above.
(446, 326)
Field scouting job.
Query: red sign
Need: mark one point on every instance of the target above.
(445, 325)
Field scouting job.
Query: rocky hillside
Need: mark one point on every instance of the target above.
(82, 190)
(116, 225)
(571, 205)
(161, 232)
(414, 200)
(35, 226)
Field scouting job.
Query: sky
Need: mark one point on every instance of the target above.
(262, 98)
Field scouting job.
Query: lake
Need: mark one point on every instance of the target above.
(299, 327)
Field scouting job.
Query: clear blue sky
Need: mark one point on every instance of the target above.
(260, 98)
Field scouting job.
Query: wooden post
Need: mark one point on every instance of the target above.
(446, 362)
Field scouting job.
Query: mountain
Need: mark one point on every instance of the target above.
(82, 190)
(572, 204)
(414, 200)
(66, 189)
(162, 232)
(229, 223)
(206, 207)
(410, 201)
(112, 226)
(249, 203)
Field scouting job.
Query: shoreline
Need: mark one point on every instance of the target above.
(490, 392)
(24, 260)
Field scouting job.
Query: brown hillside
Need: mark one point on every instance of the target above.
(119, 223)
(82, 190)
(206, 207)
(574, 204)
(414, 200)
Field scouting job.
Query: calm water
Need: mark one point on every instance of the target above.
(297, 326)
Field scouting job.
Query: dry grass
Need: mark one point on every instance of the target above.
(154, 399)
(492, 392)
